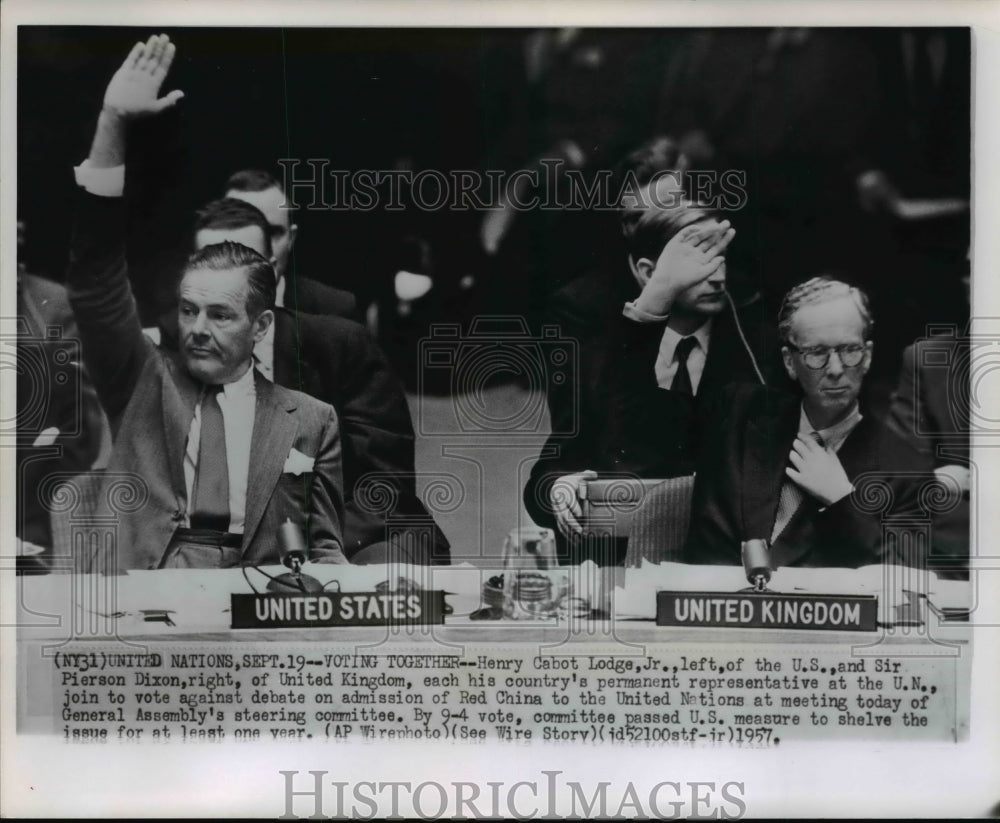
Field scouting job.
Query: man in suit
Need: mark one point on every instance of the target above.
(335, 360)
(260, 189)
(636, 409)
(224, 455)
(783, 466)
(930, 410)
(59, 419)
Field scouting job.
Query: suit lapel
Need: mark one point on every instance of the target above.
(856, 455)
(769, 439)
(274, 431)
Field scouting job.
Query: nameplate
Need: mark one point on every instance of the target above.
(286, 611)
(767, 610)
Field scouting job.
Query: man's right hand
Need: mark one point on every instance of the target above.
(564, 497)
(694, 254)
(134, 89)
(132, 94)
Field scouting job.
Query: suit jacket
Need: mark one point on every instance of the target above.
(737, 487)
(335, 360)
(930, 410)
(52, 393)
(150, 400)
(312, 297)
(611, 416)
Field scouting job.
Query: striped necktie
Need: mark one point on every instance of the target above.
(790, 499)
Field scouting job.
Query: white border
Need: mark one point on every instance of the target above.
(44, 777)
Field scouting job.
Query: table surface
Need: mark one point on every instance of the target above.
(91, 608)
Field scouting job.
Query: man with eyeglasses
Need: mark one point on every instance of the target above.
(784, 465)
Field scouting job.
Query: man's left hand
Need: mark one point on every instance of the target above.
(818, 471)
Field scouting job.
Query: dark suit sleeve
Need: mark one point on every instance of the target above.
(574, 422)
(377, 432)
(902, 417)
(714, 537)
(326, 500)
(114, 347)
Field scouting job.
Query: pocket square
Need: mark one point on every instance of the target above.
(297, 463)
(47, 437)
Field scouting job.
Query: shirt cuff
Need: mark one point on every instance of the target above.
(639, 316)
(108, 182)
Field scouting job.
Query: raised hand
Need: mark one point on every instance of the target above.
(134, 89)
(694, 254)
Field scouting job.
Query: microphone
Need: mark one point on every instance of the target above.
(757, 563)
(293, 550)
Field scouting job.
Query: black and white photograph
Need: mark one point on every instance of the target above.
(482, 412)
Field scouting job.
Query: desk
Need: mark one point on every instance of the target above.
(651, 684)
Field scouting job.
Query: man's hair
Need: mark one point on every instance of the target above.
(226, 256)
(656, 226)
(656, 158)
(822, 289)
(230, 213)
(252, 180)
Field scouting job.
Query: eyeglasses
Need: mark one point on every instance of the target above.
(818, 356)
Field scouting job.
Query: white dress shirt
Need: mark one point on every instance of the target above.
(238, 404)
(666, 362)
(237, 400)
(833, 437)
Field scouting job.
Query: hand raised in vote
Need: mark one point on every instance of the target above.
(134, 89)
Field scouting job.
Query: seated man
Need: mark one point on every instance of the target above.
(296, 292)
(225, 455)
(652, 375)
(335, 360)
(930, 410)
(782, 466)
(59, 419)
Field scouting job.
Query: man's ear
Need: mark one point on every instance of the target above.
(642, 269)
(261, 324)
(867, 362)
(786, 358)
(293, 232)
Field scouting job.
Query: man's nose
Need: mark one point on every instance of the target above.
(718, 276)
(834, 366)
(199, 325)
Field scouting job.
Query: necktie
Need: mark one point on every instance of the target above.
(790, 500)
(682, 379)
(211, 485)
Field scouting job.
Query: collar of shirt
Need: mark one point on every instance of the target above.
(835, 435)
(279, 293)
(666, 366)
(242, 388)
(263, 352)
(671, 338)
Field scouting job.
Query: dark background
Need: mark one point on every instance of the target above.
(802, 125)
